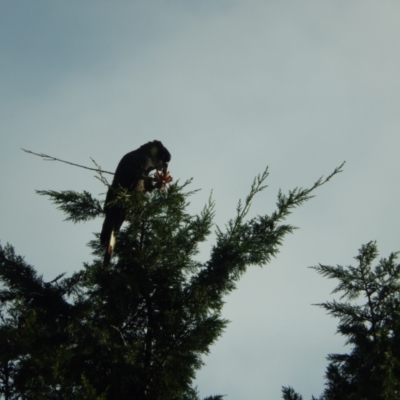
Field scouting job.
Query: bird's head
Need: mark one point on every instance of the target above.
(159, 155)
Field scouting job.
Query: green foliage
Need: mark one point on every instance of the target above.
(79, 207)
(369, 318)
(288, 393)
(138, 328)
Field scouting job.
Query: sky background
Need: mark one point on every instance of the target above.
(229, 87)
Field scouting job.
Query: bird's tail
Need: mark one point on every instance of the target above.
(108, 238)
(110, 248)
(105, 235)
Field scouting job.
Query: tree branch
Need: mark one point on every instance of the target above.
(50, 158)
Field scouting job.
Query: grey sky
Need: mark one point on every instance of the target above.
(229, 87)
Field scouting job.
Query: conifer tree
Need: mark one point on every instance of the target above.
(369, 318)
(137, 328)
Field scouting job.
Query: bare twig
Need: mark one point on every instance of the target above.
(122, 336)
(100, 176)
(50, 158)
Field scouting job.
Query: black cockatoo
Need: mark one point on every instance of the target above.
(132, 173)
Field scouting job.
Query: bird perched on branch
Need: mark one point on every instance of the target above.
(132, 173)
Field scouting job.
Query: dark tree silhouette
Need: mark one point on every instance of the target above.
(138, 327)
(371, 327)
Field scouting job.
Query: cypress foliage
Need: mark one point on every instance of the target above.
(369, 319)
(136, 329)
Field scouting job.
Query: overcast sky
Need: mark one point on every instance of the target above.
(229, 87)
